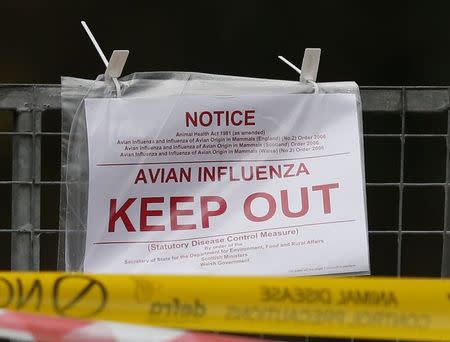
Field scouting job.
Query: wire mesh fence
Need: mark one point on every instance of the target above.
(29, 176)
(406, 141)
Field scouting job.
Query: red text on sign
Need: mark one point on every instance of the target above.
(221, 118)
(210, 206)
(186, 209)
(284, 199)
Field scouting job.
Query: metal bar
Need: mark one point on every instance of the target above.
(21, 217)
(367, 184)
(16, 182)
(408, 135)
(31, 182)
(14, 96)
(403, 87)
(371, 231)
(381, 100)
(407, 184)
(445, 263)
(403, 232)
(36, 189)
(48, 96)
(432, 100)
(417, 99)
(36, 231)
(400, 205)
(34, 133)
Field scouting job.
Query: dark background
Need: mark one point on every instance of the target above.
(372, 43)
(380, 43)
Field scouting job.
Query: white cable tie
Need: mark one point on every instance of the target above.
(94, 41)
(310, 64)
(117, 85)
(315, 86)
(292, 65)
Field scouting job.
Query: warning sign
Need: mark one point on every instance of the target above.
(242, 185)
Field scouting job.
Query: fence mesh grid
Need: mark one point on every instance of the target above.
(406, 142)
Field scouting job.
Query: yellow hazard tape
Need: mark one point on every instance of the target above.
(416, 309)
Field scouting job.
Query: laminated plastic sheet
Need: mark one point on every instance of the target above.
(76, 92)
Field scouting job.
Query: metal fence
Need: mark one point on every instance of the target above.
(23, 145)
(406, 144)
(406, 138)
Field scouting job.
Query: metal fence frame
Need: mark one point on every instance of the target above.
(30, 101)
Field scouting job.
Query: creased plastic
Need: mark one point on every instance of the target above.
(75, 166)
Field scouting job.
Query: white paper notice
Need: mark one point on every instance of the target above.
(237, 185)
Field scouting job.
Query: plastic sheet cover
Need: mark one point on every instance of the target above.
(156, 85)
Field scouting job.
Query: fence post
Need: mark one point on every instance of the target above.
(22, 172)
(36, 186)
(445, 271)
